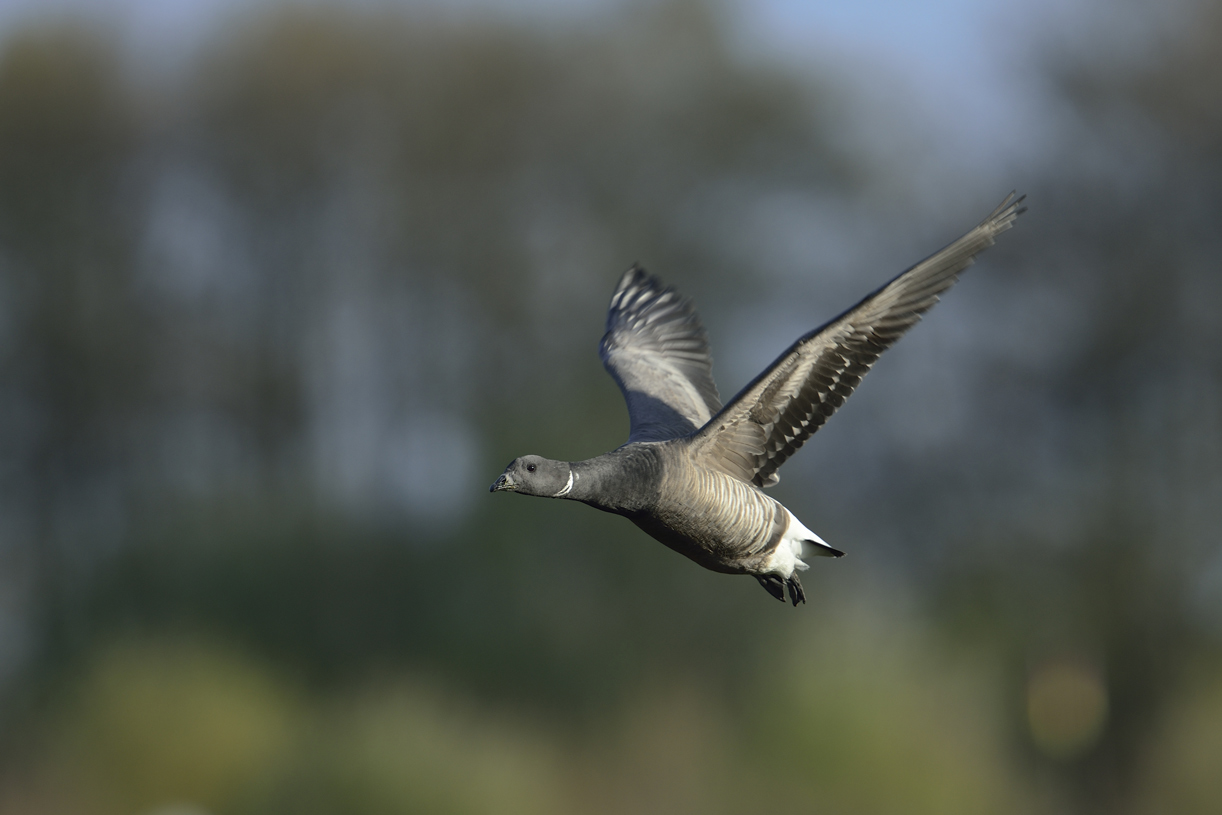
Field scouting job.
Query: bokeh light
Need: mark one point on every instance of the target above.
(1066, 707)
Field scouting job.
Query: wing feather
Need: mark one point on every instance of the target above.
(789, 401)
(657, 351)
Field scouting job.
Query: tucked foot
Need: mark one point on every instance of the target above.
(796, 595)
(773, 584)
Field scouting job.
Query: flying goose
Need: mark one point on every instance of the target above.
(692, 472)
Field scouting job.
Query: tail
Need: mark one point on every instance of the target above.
(819, 548)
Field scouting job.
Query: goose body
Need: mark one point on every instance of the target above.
(693, 472)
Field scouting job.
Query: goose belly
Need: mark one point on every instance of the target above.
(722, 523)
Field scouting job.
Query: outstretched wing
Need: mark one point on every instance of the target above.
(656, 350)
(770, 418)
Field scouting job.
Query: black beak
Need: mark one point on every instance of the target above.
(502, 483)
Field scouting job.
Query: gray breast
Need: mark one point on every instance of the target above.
(721, 522)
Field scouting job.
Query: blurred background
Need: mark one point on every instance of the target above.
(284, 285)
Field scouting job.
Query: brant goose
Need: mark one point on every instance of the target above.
(692, 471)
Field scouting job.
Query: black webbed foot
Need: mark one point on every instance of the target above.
(795, 590)
(773, 585)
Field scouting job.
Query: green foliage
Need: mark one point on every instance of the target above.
(879, 718)
(1182, 774)
(152, 722)
(157, 723)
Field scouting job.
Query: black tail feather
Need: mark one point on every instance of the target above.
(821, 549)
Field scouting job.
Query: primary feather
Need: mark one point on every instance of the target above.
(782, 407)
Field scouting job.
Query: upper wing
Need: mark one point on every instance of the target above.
(656, 349)
(770, 418)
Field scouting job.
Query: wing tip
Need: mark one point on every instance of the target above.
(639, 291)
(1007, 212)
(626, 280)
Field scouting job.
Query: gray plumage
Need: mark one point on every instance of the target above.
(692, 470)
(657, 352)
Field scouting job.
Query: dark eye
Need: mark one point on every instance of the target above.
(530, 468)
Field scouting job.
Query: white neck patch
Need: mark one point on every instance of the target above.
(567, 487)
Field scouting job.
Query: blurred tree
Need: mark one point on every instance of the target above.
(340, 267)
(1110, 565)
(73, 360)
